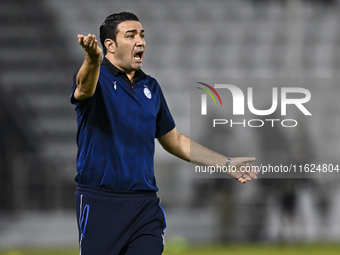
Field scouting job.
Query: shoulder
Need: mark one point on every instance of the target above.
(153, 85)
(104, 70)
(105, 75)
(150, 81)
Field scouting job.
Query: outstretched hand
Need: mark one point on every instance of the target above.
(241, 170)
(90, 44)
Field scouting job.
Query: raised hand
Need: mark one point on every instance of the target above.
(88, 74)
(90, 44)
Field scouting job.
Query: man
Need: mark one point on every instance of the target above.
(121, 111)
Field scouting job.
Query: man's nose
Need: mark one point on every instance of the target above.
(140, 41)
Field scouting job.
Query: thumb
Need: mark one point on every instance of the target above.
(248, 159)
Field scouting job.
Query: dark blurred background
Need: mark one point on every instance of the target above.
(246, 38)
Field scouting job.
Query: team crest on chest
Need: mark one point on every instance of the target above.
(147, 92)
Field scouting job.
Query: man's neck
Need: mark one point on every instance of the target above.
(129, 74)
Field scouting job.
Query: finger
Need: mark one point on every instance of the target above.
(248, 159)
(254, 170)
(252, 175)
(246, 177)
(80, 39)
(250, 168)
(95, 45)
(87, 40)
(242, 180)
(93, 39)
(91, 43)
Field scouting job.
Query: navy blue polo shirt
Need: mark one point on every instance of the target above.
(117, 128)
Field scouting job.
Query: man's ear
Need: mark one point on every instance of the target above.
(110, 45)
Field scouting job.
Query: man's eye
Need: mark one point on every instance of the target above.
(142, 36)
(130, 36)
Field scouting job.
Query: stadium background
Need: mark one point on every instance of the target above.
(185, 39)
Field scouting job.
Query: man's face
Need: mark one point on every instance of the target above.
(130, 47)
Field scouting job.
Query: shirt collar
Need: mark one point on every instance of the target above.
(139, 74)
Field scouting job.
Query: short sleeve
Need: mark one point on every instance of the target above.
(74, 86)
(164, 122)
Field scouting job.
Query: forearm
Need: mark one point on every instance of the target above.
(176, 144)
(185, 148)
(203, 156)
(87, 77)
(88, 73)
(241, 170)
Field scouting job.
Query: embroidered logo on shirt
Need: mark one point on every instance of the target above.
(147, 93)
(115, 85)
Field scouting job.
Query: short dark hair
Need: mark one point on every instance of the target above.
(109, 27)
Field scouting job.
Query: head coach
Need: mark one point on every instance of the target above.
(120, 111)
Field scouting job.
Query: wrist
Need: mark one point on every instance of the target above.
(93, 59)
(94, 56)
(227, 164)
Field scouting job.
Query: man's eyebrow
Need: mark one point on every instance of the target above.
(134, 31)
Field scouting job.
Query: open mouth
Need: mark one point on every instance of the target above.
(138, 55)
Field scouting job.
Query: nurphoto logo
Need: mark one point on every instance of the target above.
(295, 96)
